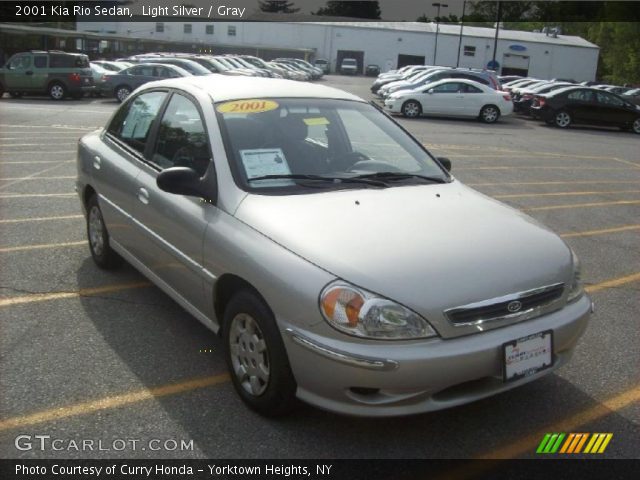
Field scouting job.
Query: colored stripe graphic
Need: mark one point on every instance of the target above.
(574, 443)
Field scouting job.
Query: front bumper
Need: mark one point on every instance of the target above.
(392, 106)
(378, 378)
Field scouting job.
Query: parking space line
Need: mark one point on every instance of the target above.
(562, 194)
(83, 292)
(528, 443)
(49, 127)
(39, 219)
(111, 402)
(582, 205)
(30, 195)
(29, 177)
(41, 246)
(541, 167)
(603, 231)
(37, 161)
(571, 182)
(34, 177)
(613, 283)
(5, 145)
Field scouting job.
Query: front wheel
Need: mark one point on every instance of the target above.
(562, 119)
(636, 126)
(411, 109)
(256, 356)
(102, 253)
(489, 114)
(57, 91)
(122, 93)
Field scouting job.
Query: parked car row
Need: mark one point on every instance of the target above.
(61, 74)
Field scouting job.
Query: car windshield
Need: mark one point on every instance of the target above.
(285, 145)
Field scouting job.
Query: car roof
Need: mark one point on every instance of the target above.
(224, 87)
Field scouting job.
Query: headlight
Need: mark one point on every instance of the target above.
(361, 313)
(576, 285)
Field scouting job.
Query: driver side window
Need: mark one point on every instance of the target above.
(21, 62)
(182, 138)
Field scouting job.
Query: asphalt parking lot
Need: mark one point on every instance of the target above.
(88, 354)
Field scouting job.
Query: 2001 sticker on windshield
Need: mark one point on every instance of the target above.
(254, 105)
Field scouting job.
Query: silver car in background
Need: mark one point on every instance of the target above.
(338, 260)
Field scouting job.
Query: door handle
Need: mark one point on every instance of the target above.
(29, 72)
(143, 196)
(96, 162)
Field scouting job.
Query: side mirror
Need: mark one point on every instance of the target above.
(186, 181)
(445, 162)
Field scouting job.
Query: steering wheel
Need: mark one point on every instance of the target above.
(345, 161)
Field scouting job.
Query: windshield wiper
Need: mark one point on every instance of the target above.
(400, 176)
(358, 179)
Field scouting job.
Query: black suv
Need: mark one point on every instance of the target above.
(56, 73)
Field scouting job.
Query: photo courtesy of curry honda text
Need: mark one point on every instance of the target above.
(338, 260)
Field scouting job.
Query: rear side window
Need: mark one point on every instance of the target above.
(40, 61)
(581, 95)
(133, 121)
(68, 61)
(182, 138)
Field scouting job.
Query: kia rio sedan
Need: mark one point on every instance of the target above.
(337, 259)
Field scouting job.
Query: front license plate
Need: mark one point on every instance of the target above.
(527, 356)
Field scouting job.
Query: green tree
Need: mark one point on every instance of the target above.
(277, 6)
(365, 9)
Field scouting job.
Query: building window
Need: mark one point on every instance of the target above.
(209, 29)
(469, 51)
(159, 27)
(231, 31)
(187, 28)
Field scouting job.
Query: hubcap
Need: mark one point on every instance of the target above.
(57, 91)
(249, 354)
(411, 109)
(95, 231)
(123, 93)
(490, 114)
(562, 119)
(636, 125)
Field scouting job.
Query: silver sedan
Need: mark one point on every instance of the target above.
(338, 260)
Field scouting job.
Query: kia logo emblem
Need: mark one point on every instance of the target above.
(514, 306)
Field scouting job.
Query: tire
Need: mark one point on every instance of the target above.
(122, 92)
(249, 325)
(635, 127)
(489, 114)
(98, 237)
(57, 91)
(411, 109)
(562, 119)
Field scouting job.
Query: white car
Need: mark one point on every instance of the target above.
(454, 97)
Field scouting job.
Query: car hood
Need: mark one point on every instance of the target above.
(429, 247)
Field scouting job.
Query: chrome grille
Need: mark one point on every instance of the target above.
(530, 302)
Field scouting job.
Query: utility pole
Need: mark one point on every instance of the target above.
(464, 4)
(495, 40)
(435, 47)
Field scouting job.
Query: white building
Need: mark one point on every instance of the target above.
(387, 44)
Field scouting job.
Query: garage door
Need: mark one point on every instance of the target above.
(358, 55)
(515, 64)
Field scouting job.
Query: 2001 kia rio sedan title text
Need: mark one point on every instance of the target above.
(339, 261)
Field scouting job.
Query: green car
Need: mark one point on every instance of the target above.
(56, 73)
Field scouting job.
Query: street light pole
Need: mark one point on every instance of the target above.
(435, 46)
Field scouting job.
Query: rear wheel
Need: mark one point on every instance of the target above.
(562, 119)
(489, 114)
(411, 109)
(256, 356)
(122, 92)
(102, 253)
(57, 91)
(636, 126)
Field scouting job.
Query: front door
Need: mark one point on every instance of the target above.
(18, 74)
(171, 227)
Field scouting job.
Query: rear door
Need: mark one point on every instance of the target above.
(170, 228)
(117, 165)
(581, 105)
(40, 73)
(474, 100)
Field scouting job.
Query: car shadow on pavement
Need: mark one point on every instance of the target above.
(160, 343)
